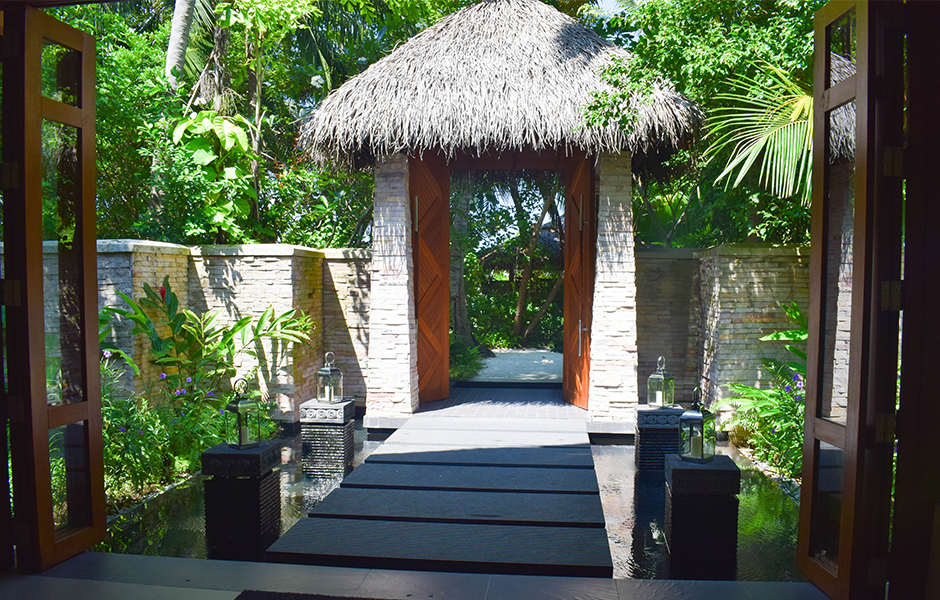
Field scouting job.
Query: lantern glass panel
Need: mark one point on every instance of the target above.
(660, 386)
(697, 435)
(242, 419)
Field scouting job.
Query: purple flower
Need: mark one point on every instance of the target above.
(788, 388)
(140, 432)
(175, 421)
(796, 377)
(106, 354)
(221, 411)
(183, 390)
(177, 392)
(123, 430)
(210, 394)
(162, 375)
(773, 430)
(799, 384)
(182, 413)
(189, 380)
(798, 398)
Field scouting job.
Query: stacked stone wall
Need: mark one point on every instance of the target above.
(346, 304)
(667, 321)
(742, 289)
(244, 281)
(613, 368)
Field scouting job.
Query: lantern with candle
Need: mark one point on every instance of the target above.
(242, 418)
(660, 386)
(329, 381)
(697, 432)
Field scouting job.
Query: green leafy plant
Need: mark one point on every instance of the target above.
(198, 352)
(774, 416)
(465, 360)
(219, 145)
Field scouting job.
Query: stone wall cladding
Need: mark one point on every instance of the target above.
(743, 286)
(346, 303)
(613, 372)
(243, 281)
(667, 290)
(393, 369)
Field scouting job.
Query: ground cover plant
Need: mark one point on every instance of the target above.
(154, 438)
(773, 417)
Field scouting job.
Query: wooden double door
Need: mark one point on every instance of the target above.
(429, 185)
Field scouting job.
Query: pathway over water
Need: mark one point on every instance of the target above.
(492, 481)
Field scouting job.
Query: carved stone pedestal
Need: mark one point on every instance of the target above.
(657, 434)
(327, 436)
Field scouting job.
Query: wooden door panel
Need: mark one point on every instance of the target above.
(430, 194)
(55, 425)
(579, 279)
(852, 348)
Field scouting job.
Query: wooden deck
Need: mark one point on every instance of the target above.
(460, 493)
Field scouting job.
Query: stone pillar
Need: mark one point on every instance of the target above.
(613, 377)
(392, 394)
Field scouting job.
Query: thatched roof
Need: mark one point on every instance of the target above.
(495, 76)
(842, 123)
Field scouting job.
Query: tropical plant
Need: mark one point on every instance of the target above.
(198, 352)
(767, 128)
(465, 360)
(774, 416)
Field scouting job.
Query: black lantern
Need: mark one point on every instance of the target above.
(329, 381)
(661, 386)
(242, 419)
(697, 432)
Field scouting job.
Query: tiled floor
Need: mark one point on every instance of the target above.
(505, 403)
(93, 576)
(101, 576)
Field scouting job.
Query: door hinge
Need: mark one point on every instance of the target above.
(10, 176)
(891, 295)
(894, 161)
(885, 425)
(10, 292)
(878, 571)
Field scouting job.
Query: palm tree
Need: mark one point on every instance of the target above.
(768, 127)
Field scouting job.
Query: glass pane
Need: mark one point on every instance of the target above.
(61, 73)
(827, 506)
(62, 266)
(838, 272)
(842, 48)
(68, 463)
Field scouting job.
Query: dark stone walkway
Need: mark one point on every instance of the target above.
(494, 481)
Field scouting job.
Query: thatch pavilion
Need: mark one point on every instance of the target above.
(500, 84)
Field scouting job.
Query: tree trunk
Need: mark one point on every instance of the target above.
(179, 40)
(548, 196)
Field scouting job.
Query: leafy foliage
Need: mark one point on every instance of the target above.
(774, 417)
(465, 360)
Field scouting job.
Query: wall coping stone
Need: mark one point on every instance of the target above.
(346, 253)
(668, 253)
(753, 249)
(124, 246)
(256, 250)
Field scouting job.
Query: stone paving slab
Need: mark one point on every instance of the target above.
(560, 551)
(502, 508)
(431, 421)
(489, 439)
(570, 456)
(479, 478)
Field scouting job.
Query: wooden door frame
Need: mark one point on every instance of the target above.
(552, 161)
(38, 545)
(866, 438)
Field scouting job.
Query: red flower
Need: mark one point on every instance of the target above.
(163, 293)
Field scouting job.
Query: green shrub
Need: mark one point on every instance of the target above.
(774, 416)
(465, 360)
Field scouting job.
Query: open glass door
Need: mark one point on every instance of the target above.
(854, 298)
(50, 288)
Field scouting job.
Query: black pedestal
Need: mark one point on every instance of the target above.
(702, 518)
(327, 434)
(657, 434)
(243, 500)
